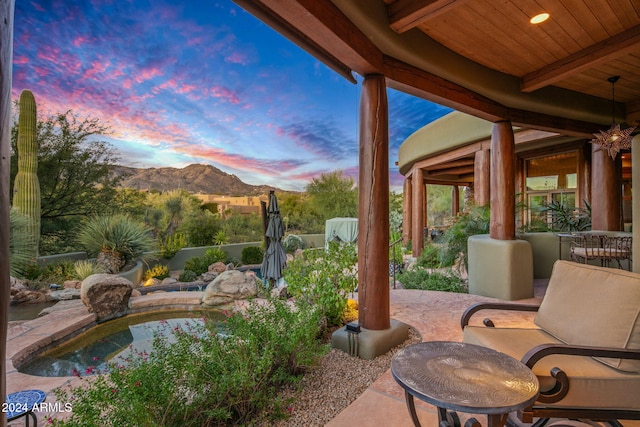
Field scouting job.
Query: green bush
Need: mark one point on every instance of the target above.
(215, 255)
(325, 278)
(200, 264)
(454, 239)
(252, 255)
(188, 276)
(197, 264)
(84, 268)
(204, 377)
(292, 243)
(170, 246)
(430, 257)
(420, 278)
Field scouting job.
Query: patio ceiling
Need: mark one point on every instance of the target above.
(482, 57)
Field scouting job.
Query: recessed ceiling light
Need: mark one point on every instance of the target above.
(541, 17)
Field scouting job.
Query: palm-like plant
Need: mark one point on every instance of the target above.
(116, 240)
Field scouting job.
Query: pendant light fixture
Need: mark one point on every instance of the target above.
(614, 139)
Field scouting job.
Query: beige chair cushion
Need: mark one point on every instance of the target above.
(593, 306)
(592, 384)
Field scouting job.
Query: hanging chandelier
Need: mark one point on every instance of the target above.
(614, 139)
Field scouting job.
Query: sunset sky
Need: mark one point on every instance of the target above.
(198, 82)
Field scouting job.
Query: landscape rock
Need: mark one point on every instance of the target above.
(106, 295)
(64, 294)
(152, 282)
(280, 292)
(16, 283)
(26, 296)
(168, 281)
(217, 267)
(208, 276)
(72, 284)
(228, 286)
(135, 293)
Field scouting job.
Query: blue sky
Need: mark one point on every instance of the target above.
(198, 82)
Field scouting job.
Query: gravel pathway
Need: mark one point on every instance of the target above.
(330, 387)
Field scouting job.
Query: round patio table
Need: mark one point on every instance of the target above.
(463, 377)
(21, 404)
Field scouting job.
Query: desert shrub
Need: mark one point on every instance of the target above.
(419, 278)
(197, 264)
(187, 276)
(430, 257)
(215, 255)
(252, 255)
(158, 271)
(454, 239)
(200, 377)
(292, 243)
(84, 268)
(324, 278)
(170, 245)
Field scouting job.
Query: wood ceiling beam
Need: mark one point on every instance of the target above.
(450, 171)
(592, 56)
(407, 14)
(322, 25)
(452, 164)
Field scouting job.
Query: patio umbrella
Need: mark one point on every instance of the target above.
(275, 257)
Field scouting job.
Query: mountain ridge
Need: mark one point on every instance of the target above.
(194, 178)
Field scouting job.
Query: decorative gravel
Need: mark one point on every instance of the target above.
(339, 379)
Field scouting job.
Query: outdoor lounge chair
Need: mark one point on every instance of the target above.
(584, 345)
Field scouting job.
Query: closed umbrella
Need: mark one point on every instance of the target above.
(275, 257)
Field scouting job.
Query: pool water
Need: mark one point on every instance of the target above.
(112, 342)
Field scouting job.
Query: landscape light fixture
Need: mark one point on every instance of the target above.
(614, 139)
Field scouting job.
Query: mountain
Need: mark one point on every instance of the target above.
(195, 178)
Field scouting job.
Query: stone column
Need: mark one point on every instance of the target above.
(482, 178)
(503, 202)
(606, 190)
(6, 57)
(407, 213)
(373, 210)
(418, 209)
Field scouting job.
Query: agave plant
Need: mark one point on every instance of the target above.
(116, 240)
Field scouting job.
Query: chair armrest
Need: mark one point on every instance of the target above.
(543, 350)
(561, 387)
(471, 310)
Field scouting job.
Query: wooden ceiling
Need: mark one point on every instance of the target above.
(482, 57)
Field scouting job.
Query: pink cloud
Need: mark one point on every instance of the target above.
(148, 74)
(20, 60)
(97, 67)
(80, 40)
(224, 93)
(237, 58)
(37, 7)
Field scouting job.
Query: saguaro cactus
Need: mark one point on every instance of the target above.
(26, 188)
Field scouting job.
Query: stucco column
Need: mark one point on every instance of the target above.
(635, 195)
(418, 209)
(6, 57)
(373, 210)
(503, 201)
(481, 178)
(606, 190)
(407, 204)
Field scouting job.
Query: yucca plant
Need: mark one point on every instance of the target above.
(116, 240)
(84, 268)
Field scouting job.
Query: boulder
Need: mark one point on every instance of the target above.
(72, 284)
(26, 296)
(228, 286)
(169, 281)
(106, 295)
(208, 277)
(217, 267)
(64, 294)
